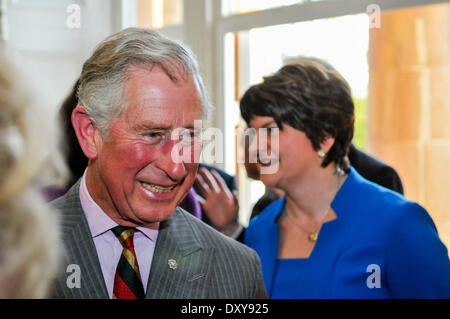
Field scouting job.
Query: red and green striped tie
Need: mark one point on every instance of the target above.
(127, 281)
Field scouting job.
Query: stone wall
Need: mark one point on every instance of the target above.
(409, 104)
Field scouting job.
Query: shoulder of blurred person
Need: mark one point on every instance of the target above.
(374, 170)
(29, 229)
(368, 166)
(265, 200)
(191, 204)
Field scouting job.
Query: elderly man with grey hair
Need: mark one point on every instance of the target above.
(140, 96)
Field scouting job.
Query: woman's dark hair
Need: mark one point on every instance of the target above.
(73, 154)
(309, 97)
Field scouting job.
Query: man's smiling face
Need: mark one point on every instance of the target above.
(135, 178)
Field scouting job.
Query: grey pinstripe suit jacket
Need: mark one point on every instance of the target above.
(210, 265)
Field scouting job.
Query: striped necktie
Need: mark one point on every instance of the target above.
(127, 281)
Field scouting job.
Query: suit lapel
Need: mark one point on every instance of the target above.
(80, 250)
(177, 244)
(181, 265)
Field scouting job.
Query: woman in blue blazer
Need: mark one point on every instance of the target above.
(334, 234)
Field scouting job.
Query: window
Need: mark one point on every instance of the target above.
(157, 14)
(246, 6)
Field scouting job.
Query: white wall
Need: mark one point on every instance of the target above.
(49, 53)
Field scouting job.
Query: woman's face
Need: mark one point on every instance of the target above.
(283, 160)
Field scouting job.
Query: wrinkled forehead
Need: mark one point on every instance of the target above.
(161, 117)
(162, 73)
(151, 95)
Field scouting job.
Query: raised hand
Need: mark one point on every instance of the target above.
(219, 203)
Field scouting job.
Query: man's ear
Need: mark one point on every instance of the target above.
(327, 144)
(86, 132)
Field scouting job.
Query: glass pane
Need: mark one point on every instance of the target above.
(157, 14)
(245, 6)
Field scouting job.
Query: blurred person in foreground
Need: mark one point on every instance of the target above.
(334, 234)
(139, 98)
(29, 230)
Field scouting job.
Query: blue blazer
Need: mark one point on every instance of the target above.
(374, 226)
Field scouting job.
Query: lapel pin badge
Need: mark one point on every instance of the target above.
(172, 264)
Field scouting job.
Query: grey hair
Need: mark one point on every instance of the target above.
(103, 75)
